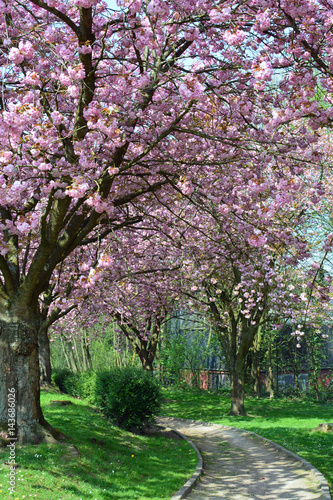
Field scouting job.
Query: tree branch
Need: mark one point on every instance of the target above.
(58, 14)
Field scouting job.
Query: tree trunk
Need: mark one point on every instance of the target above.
(270, 386)
(295, 370)
(146, 360)
(44, 355)
(255, 373)
(237, 373)
(69, 356)
(86, 353)
(20, 412)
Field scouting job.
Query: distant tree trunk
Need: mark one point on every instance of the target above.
(87, 364)
(255, 372)
(146, 360)
(271, 384)
(295, 369)
(147, 350)
(255, 363)
(70, 360)
(44, 355)
(277, 354)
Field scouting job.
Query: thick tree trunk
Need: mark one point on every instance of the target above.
(20, 411)
(237, 373)
(44, 355)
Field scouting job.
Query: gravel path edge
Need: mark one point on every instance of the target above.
(185, 490)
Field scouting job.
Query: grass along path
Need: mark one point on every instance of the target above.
(284, 421)
(110, 464)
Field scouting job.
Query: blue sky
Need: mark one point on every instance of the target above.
(112, 3)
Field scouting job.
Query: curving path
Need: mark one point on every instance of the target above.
(239, 465)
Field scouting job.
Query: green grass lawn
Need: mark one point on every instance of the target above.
(284, 421)
(112, 464)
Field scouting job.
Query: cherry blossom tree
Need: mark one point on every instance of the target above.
(101, 109)
(245, 249)
(90, 102)
(133, 283)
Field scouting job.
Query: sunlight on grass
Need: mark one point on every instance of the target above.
(101, 461)
(289, 423)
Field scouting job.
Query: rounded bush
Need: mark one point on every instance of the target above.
(130, 396)
(59, 377)
(80, 385)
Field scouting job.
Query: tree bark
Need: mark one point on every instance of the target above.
(237, 374)
(45, 369)
(146, 361)
(19, 377)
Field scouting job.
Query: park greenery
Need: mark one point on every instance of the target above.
(101, 461)
(290, 422)
(164, 159)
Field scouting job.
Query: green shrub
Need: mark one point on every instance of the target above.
(86, 386)
(130, 396)
(80, 385)
(72, 385)
(59, 377)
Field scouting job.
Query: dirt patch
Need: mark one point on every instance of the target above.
(324, 428)
(57, 402)
(160, 430)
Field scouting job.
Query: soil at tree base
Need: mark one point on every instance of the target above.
(239, 466)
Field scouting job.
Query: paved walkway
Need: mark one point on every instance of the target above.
(240, 466)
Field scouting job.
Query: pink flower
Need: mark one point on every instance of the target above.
(263, 71)
(32, 78)
(113, 171)
(44, 166)
(85, 4)
(50, 34)
(27, 49)
(223, 209)
(57, 117)
(220, 16)
(191, 88)
(234, 37)
(263, 19)
(76, 72)
(158, 8)
(85, 49)
(15, 56)
(64, 79)
(257, 240)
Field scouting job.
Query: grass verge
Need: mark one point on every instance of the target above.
(102, 463)
(289, 423)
